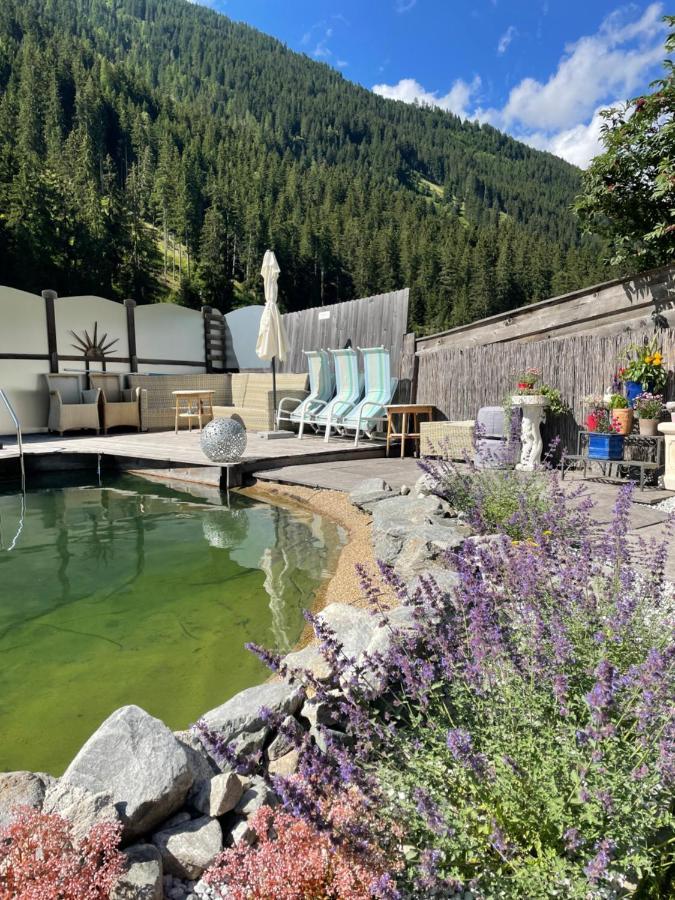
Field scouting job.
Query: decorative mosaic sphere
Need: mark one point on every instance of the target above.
(224, 440)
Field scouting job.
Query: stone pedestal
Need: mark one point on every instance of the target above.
(534, 409)
(667, 429)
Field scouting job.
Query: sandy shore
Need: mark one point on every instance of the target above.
(344, 586)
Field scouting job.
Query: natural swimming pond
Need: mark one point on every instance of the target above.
(130, 592)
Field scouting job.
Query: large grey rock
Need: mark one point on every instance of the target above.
(369, 492)
(218, 795)
(352, 626)
(81, 807)
(142, 879)
(21, 789)
(137, 760)
(309, 659)
(258, 794)
(242, 833)
(189, 849)
(285, 765)
(427, 544)
(242, 713)
(200, 763)
(446, 579)
(282, 743)
(408, 509)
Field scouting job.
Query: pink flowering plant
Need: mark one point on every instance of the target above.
(293, 860)
(519, 729)
(41, 859)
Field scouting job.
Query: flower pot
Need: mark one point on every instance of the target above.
(648, 427)
(622, 419)
(605, 446)
(633, 391)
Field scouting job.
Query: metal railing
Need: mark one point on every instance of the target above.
(19, 440)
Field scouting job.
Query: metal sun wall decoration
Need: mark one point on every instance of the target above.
(224, 440)
(93, 348)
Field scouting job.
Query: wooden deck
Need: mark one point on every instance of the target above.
(180, 453)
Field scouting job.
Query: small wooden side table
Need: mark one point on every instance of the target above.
(406, 411)
(193, 405)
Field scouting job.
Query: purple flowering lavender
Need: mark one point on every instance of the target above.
(522, 733)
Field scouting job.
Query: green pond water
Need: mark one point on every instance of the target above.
(129, 592)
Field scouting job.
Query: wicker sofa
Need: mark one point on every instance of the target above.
(253, 399)
(246, 395)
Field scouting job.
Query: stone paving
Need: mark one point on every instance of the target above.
(645, 520)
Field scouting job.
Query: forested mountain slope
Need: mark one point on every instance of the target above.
(154, 149)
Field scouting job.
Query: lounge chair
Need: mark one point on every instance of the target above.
(321, 390)
(119, 406)
(379, 393)
(348, 390)
(70, 407)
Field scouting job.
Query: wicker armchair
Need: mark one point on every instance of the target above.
(70, 407)
(119, 407)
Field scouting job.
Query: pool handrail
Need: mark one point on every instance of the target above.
(19, 440)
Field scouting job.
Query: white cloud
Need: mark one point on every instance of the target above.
(341, 63)
(410, 91)
(506, 39)
(592, 69)
(561, 114)
(404, 6)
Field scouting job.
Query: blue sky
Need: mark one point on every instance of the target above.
(538, 69)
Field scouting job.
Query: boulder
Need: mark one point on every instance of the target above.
(21, 789)
(81, 807)
(425, 485)
(285, 765)
(200, 763)
(187, 850)
(241, 714)
(258, 794)
(242, 833)
(426, 544)
(282, 744)
(218, 795)
(309, 659)
(137, 760)
(142, 879)
(353, 627)
(446, 579)
(369, 492)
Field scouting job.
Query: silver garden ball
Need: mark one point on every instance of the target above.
(224, 440)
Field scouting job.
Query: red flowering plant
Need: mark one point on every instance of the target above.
(293, 860)
(40, 859)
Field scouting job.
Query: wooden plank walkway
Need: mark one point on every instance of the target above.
(182, 451)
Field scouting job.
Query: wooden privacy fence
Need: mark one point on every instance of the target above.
(368, 322)
(460, 381)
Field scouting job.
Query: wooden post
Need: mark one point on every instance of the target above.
(49, 297)
(206, 312)
(131, 334)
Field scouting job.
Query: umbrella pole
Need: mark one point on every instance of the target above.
(274, 389)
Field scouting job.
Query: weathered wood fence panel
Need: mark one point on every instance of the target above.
(368, 322)
(638, 302)
(461, 380)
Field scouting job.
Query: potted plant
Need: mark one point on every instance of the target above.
(527, 378)
(604, 441)
(649, 408)
(621, 413)
(644, 371)
(596, 408)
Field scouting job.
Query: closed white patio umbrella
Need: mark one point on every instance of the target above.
(272, 341)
